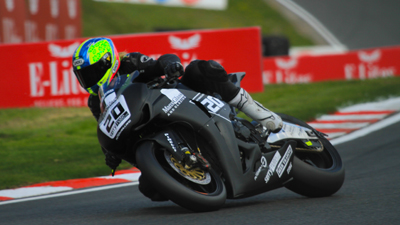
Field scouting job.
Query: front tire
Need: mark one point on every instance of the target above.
(316, 174)
(193, 196)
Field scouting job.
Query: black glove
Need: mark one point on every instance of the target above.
(112, 161)
(174, 69)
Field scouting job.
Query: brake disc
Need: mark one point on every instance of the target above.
(195, 175)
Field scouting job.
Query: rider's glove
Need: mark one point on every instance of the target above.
(174, 69)
(112, 161)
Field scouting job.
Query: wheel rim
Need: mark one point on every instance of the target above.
(195, 175)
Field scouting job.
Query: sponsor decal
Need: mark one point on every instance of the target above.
(289, 168)
(212, 104)
(171, 142)
(176, 98)
(78, 62)
(272, 166)
(115, 67)
(116, 117)
(144, 58)
(264, 164)
(284, 162)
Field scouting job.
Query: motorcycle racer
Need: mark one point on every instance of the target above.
(96, 61)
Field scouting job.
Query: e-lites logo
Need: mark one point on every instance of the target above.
(368, 67)
(286, 72)
(55, 77)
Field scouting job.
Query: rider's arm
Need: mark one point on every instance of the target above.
(148, 67)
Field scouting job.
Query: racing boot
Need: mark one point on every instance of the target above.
(253, 109)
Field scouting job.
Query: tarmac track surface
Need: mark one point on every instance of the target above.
(370, 195)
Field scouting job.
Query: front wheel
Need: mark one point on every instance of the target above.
(316, 174)
(195, 190)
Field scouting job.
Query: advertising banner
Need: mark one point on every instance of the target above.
(40, 74)
(69, 22)
(34, 20)
(12, 19)
(205, 4)
(361, 64)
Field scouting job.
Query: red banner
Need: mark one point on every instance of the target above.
(12, 16)
(44, 20)
(361, 64)
(40, 74)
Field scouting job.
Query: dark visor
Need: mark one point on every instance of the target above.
(91, 75)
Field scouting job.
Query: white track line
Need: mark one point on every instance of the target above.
(74, 192)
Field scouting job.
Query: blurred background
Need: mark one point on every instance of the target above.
(332, 25)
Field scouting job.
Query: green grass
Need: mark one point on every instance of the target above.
(103, 18)
(39, 145)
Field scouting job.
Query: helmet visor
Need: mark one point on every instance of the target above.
(91, 75)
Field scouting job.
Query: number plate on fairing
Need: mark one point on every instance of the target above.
(290, 131)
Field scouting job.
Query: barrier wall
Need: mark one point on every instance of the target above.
(40, 74)
(362, 64)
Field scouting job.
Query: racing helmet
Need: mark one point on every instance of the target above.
(95, 62)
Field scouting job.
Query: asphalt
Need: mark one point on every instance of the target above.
(370, 195)
(356, 24)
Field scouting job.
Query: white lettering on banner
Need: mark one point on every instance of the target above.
(54, 8)
(31, 31)
(10, 5)
(368, 68)
(35, 75)
(51, 32)
(72, 8)
(10, 32)
(61, 80)
(286, 73)
(66, 85)
(33, 6)
(70, 32)
(61, 102)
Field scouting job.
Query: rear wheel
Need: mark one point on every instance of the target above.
(194, 189)
(315, 174)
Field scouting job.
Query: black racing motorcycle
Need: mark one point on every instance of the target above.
(197, 152)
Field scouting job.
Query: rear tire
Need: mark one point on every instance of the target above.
(315, 174)
(196, 197)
